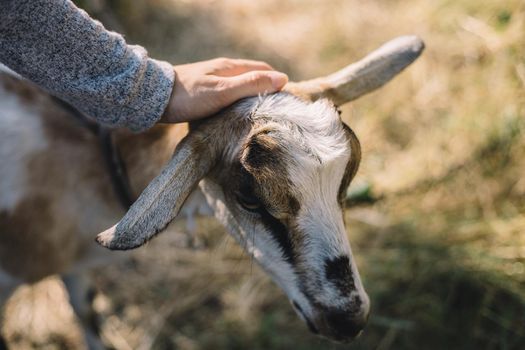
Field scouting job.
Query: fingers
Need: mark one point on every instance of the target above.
(252, 84)
(227, 67)
(203, 88)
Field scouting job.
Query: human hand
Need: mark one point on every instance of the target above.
(203, 88)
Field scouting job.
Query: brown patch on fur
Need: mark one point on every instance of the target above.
(25, 90)
(145, 154)
(60, 126)
(353, 163)
(28, 250)
(263, 157)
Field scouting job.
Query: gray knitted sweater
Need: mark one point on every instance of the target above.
(59, 47)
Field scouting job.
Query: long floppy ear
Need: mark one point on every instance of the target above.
(364, 76)
(162, 200)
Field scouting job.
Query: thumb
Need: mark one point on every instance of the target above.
(253, 83)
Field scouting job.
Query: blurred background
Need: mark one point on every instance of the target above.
(435, 216)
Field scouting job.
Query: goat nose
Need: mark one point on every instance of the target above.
(343, 326)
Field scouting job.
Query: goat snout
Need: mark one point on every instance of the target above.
(340, 325)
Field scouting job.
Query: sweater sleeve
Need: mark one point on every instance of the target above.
(59, 47)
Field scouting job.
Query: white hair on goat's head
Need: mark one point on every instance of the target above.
(318, 124)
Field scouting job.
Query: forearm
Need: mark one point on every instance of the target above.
(59, 47)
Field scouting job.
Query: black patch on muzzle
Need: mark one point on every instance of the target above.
(338, 272)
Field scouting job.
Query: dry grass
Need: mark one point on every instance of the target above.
(442, 250)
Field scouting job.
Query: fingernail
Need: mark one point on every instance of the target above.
(278, 80)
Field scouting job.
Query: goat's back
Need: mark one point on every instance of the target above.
(54, 190)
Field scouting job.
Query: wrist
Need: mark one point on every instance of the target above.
(168, 115)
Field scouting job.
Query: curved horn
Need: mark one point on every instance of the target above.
(364, 76)
(162, 200)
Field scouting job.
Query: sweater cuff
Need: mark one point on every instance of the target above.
(155, 92)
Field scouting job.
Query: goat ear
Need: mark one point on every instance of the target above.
(364, 76)
(355, 147)
(163, 198)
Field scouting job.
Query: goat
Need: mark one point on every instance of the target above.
(274, 168)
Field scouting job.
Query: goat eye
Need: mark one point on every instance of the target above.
(249, 202)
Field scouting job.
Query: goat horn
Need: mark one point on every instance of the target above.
(364, 76)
